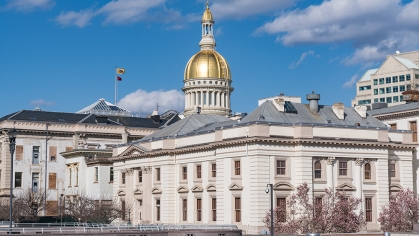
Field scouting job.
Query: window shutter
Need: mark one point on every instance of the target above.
(67, 149)
(52, 208)
(19, 152)
(53, 152)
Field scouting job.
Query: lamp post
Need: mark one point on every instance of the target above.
(61, 209)
(269, 187)
(12, 144)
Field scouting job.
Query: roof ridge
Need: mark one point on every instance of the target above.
(14, 114)
(88, 115)
(188, 118)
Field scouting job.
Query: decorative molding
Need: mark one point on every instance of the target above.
(138, 192)
(395, 187)
(156, 190)
(346, 187)
(359, 161)
(197, 188)
(121, 192)
(235, 186)
(128, 171)
(211, 188)
(331, 160)
(147, 169)
(283, 186)
(182, 189)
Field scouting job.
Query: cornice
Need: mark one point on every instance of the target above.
(266, 140)
(397, 115)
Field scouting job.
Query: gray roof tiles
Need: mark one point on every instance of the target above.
(395, 109)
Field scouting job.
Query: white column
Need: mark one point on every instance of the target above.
(329, 172)
(202, 98)
(358, 177)
(196, 98)
(186, 100)
(228, 100)
(207, 98)
(212, 98)
(222, 100)
(219, 99)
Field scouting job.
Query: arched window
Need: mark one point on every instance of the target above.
(317, 170)
(367, 169)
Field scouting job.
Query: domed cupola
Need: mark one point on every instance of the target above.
(207, 78)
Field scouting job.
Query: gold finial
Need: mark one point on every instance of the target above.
(207, 5)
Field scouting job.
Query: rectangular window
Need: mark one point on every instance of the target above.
(280, 167)
(198, 171)
(414, 129)
(375, 99)
(281, 203)
(375, 91)
(184, 172)
(393, 126)
(362, 102)
(96, 174)
(395, 98)
(343, 168)
(388, 90)
(123, 178)
(382, 99)
(402, 88)
(368, 209)
(375, 81)
(19, 152)
(237, 209)
(52, 181)
(18, 179)
(237, 167)
(184, 209)
(401, 78)
(52, 208)
(213, 170)
(407, 77)
(395, 89)
(381, 90)
(157, 174)
(214, 209)
(158, 209)
(388, 80)
(392, 169)
(388, 99)
(408, 87)
(401, 98)
(395, 79)
(35, 155)
(35, 182)
(198, 209)
(140, 176)
(67, 149)
(52, 153)
(123, 210)
(111, 175)
(381, 80)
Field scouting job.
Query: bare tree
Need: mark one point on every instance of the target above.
(27, 205)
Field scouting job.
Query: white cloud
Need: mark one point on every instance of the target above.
(375, 27)
(80, 19)
(145, 102)
(238, 9)
(29, 5)
(351, 82)
(116, 12)
(41, 103)
(302, 58)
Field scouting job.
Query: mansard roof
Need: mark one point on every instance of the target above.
(74, 118)
(414, 106)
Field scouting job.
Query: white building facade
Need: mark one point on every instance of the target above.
(398, 73)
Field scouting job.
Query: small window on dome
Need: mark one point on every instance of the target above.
(210, 82)
(193, 82)
(205, 82)
(216, 82)
(199, 82)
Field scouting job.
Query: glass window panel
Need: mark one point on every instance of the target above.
(395, 79)
(388, 99)
(396, 99)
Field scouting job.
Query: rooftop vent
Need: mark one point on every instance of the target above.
(313, 99)
(362, 111)
(279, 104)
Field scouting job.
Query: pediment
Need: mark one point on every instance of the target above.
(155, 190)
(395, 187)
(182, 189)
(211, 188)
(235, 186)
(346, 187)
(132, 150)
(138, 192)
(197, 188)
(283, 186)
(121, 193)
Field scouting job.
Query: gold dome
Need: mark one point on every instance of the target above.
(207, 64)
(207, 15)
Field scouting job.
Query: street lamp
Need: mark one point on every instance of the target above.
(12, 144)
(61, 209)
(269, 187)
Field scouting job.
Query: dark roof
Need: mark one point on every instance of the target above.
(395, 109)
(74, 118)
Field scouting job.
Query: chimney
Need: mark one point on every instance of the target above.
(279, 104)
(362, 111)
(339, 110)
(313, 99)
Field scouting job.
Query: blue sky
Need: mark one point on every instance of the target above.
(61, 55)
